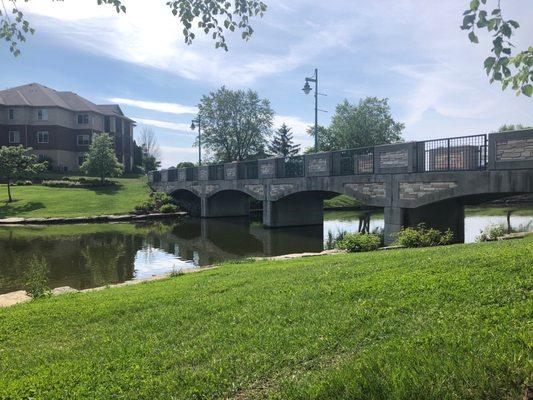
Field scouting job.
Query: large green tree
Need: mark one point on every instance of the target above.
(211, 17)
(235, 124)
(507, 65)
(16, 162)
(101, 160)
(367, 123)
(282, 143)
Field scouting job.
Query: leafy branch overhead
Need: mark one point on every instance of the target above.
(505, 65)
(213, 17)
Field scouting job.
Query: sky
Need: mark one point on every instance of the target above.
(411, 52)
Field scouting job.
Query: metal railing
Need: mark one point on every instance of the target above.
(454, 154)
(216, 172)
(465, 153)
(353, 161)
(248, 170)
(290, 167)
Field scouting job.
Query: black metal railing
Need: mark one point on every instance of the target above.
(191, 174)
(248, 170)
(454, 154)
(353, 161)
(172, 175)
(290, 167)
(156, 176)
(216, 172)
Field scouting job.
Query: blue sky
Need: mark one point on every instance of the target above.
(411, 52)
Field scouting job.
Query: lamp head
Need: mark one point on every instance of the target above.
(307, 88)
(193, 126)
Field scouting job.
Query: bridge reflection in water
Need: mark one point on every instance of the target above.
(91, 255)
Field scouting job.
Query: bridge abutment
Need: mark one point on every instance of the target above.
(296, 210)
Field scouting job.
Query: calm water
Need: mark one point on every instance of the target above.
(84, 256)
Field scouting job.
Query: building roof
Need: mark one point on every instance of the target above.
(36, 95)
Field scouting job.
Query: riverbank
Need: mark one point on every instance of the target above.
(37, 201)
(374, 325)
(94, 219)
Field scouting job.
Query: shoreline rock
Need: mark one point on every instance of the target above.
(96, 218)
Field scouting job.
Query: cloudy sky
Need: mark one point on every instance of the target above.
(411, 52)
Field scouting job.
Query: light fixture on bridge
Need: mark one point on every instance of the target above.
(194, 123)
(307, 89)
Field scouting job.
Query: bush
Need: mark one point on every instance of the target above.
(421, 236)
(159, 199)
(491, 233)
(168, 208)
(23, 183)
(37, 279)
(144, 207)
(78, 183)
(356, 242)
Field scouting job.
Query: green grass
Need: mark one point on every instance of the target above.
(341, 201)
(438, 323)
(42, 201)
(518, 210)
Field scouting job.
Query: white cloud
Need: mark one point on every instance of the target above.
(171, 108)
(175, 126)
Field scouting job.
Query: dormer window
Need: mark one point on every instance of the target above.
(42, 114)
(83, 119)
(11, 113)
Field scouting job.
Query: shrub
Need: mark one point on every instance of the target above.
(145, 207)
(356, 242)
(421, 236)
(491, 233)
(78, 183)
(168, 208)
(159, 199)
(23, 183)
(37, 279)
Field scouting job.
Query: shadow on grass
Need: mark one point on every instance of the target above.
(12, 209)
(106, 190)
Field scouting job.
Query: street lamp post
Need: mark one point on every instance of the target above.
(194, 123)
(307, 89)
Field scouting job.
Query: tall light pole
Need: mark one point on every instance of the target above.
(194, 123)
(307, 89)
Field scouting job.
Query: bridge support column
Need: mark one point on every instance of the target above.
(225, 204)
(442, 216)
(296, 210)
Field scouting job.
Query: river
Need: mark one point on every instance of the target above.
(90, 255)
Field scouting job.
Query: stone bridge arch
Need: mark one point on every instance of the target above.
(189, 200)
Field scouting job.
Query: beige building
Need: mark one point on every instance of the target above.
(60, 125)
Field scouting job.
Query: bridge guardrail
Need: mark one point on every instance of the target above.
(466, 153)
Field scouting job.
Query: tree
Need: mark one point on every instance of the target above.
(17, 163)
(235, 124)
(515, 69)
(369, 123)
(282, 144)
(512, 127)
(185, 164)
(213, 17)
(101, 160)
(151, 153)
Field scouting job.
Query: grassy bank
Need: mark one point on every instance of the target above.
(441, 323)
(341, 201)
(41, 201)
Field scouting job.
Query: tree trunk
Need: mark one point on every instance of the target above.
(10, 199)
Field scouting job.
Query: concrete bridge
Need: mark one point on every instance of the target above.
(429, 181)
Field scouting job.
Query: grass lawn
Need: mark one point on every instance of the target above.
(42, 201)
(341, 201)
(441, 323)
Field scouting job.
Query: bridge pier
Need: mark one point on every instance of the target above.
(442, 216)
(299, 209)
(225, 204)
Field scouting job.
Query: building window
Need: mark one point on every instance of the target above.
(81, 160)
(83, 119)
(43, 137)
(14, 137)
(42, 114)
(11, 114)
(107, 124)
(84, 140)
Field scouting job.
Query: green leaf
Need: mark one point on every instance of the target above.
(527, 90)
(473, 38)
(474, 4)
(489, 63)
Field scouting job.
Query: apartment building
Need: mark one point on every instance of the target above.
(60, 125)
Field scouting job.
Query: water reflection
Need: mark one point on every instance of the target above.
(84, 256)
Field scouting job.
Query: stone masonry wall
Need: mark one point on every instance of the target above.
(416, 190)
(367, 189)
(394, 159)
(514, 149)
